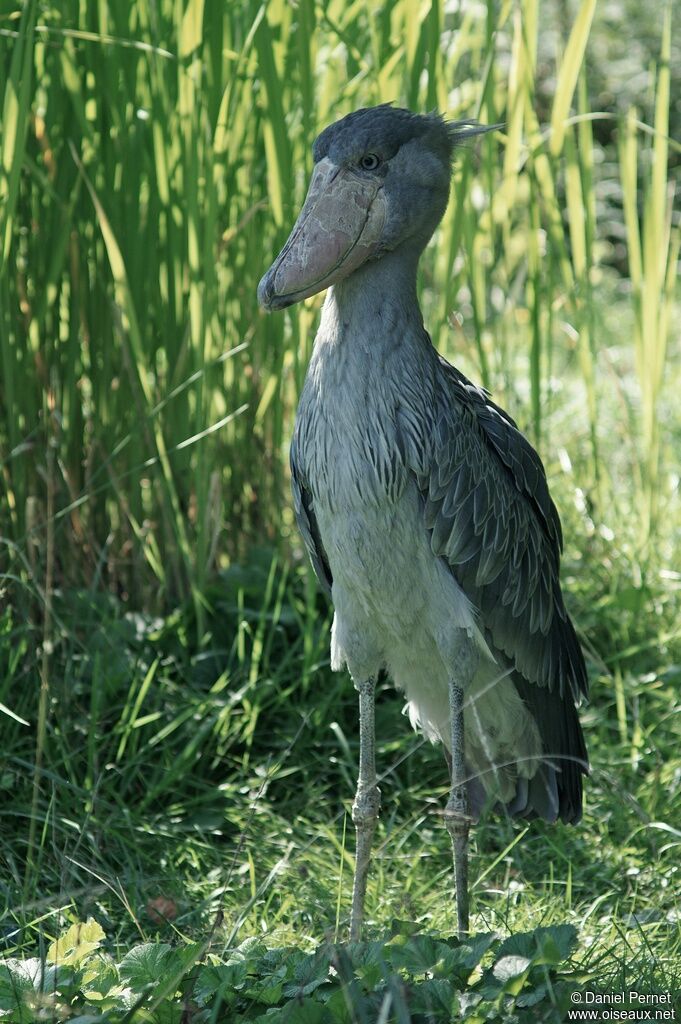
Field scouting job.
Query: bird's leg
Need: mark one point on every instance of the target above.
(457, 817)
(456, 811)
(366, 805)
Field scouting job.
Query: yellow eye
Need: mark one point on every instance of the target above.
(369, 162)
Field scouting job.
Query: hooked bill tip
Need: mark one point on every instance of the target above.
(267, 298)
(265, 291)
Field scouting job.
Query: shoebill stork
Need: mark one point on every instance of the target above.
(424, 510)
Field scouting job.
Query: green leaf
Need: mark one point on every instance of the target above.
(267, 989)
(432, 997)
(549, 945)
(512, 972)
(14, 984)
(370, 975)
(146, 964)
(249, 950)
(222, 980)
(465, 1001)
(471, 951)
(403, 928)
(297, 1011)
(99, 977)
(532, 996)
(62, 978)
(417, 955)
(77, 943)
(338, 1011)
(556, 943)
(510, 967)
(25, 975)
(365, 954)
(87, 1018)
(309, 974)
(169, 1011)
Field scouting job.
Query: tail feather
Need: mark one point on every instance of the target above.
(566, 759)
(525, 752)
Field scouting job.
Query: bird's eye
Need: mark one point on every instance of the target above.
(369, 162)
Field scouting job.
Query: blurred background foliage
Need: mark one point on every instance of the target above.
(153, 159)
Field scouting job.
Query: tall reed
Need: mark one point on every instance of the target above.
(153, 158)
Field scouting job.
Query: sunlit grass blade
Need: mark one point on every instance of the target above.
(653, 247)
(568, 73)
(16, 103)
(130, 331)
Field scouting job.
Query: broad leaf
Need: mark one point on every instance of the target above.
(147, 964)
(77, 943)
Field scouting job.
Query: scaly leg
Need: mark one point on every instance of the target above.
(367, 803)
(457, 818)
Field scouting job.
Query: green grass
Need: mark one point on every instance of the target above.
(220, 780)
(170, 727)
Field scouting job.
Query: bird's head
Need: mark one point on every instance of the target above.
(380, 180)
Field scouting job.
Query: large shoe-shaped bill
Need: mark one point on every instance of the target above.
(339, 227)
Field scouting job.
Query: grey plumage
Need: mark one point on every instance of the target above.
(486, 505)
(424, 510)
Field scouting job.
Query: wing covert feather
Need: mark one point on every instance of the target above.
(488, 508)
(303, 508)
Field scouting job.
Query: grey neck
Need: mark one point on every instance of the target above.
(376, 303)
(369, 394)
